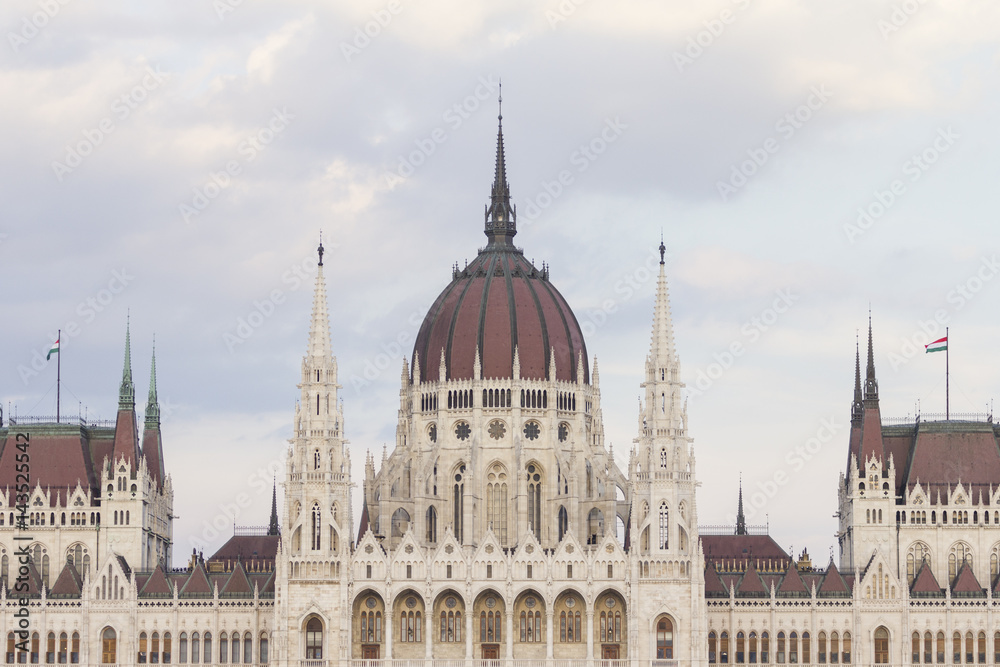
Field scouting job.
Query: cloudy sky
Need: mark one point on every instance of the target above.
(178, 160)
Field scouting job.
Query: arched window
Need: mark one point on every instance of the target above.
(712, 647)
(981, 648)
(496, 501)
(752, 652)
(143, 648)
(595, 526)
(740, 648)
(458, 501)
(821, 649)
(563, 523)
(724, 648)
(793, 648)
(262, 652)
(956, 648)
(400, 522)
(431, 524)
(207, 641)
(195, 648)
(664, 526)
(780, 653)
(236, 647)
(917, 554)
(765, 647)
(534, 474)
(806, 655)
(314, 638)
(969, 648)
(247, 648)
(834, 648)
(63, 648)
(665, 640)
(881, 646)
(317, 527)
(109, 646)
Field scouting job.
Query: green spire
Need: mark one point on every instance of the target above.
(126, 392)
(152, 404)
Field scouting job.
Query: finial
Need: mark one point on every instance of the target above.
(320, 249)
(663, 249)
(500, 100)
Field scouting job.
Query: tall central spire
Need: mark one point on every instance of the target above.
(501, 215)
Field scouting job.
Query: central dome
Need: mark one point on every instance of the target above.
(500, 302)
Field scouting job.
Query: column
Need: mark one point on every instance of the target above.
(590, 633)
(428, 635)
(468, 633)
(387, 637)
(510, 634)
(550, 615)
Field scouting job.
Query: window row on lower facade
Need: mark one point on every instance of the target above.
(751, 648)
(932, 648)
(153, 648)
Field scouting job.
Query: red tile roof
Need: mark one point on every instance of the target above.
(792, 583)
(833, 583)
(924, 582)
(60, 456)
(752, 584)
(729, 551)
(156, 584)
(69, 584)
(966, 582)
(498, 302)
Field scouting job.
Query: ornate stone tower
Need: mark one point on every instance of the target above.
(665, 555)
(316, 541)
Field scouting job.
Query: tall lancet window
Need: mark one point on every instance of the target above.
(496, 502)
(316, 526)
(316, 460)
(535, 499)
(317, 404)
(664, 526)
(458, 502)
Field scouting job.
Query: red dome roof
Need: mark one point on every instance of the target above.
(498, 302)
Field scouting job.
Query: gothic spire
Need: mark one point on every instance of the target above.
(319, 327)
(273, 527)
(741, 521)
(871, 384)
(661, 351)
(501, 215)
(857, 406)
(126, 392)
(152, 403)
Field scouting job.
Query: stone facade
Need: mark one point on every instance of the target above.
(500, 526)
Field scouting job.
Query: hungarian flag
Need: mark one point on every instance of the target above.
(53, 349)
(940, 345)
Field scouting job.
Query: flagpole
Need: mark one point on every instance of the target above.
(946, 346)
(58, 372)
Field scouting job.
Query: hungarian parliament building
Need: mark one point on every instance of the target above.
(499, 530)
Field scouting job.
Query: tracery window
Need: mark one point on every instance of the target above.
(664, 526)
